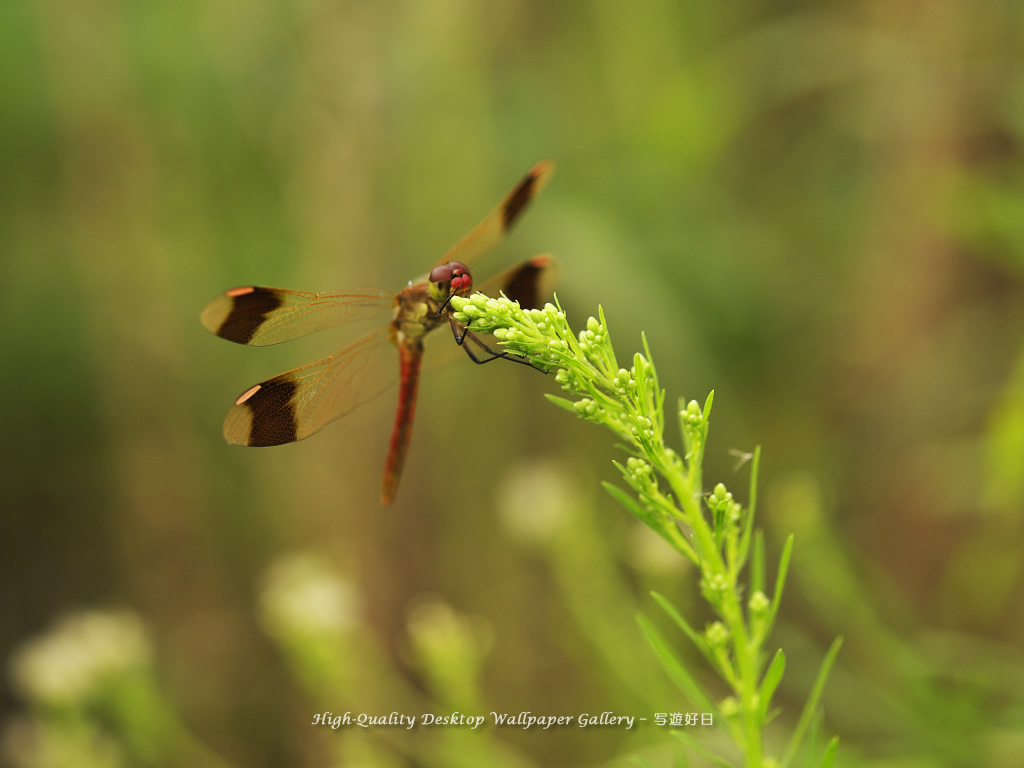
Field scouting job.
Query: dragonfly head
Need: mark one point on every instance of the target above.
(449, 280)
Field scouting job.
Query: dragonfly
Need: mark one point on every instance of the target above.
(298, 403)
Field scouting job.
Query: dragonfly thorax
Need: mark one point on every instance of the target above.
(416, 313)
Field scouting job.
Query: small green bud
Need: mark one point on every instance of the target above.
(717, 635)
(760, 613)
(643, 367)
(729, 707)
(714, 587)
(723, 507)
(759, 602)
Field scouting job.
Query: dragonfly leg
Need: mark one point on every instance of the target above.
(461, 338)
(467, 339)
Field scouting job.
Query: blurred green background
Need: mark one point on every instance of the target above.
(814, 209)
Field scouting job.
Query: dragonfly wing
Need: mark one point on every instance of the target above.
(498, 222)
(294, 405)
(259, 316)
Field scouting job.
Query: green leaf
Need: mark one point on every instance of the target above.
(812, 701)
(625, 499)
(748, 525)
(675, 669)
(698, 460)
(681, 417)
(673, 614)
(780, 580)
(771, 680)
(561, 402)
(754, 467)
(757, 564)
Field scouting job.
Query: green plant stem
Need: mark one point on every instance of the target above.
(713, 530)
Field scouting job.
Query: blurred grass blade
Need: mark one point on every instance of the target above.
(675, 669)
(780, 581)
(561, 402)
(829, 757)
(748, 526)
(624, 498)
(688, 741)
(757, 564)
(812, 701)
(673, 614)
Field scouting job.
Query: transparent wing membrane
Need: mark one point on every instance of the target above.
(260, 316)
(499, 221)
(296, 404)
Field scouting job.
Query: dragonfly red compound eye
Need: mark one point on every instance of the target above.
(461, 279)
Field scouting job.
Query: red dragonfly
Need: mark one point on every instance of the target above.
(294, 405)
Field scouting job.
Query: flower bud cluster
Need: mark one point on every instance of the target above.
(643, 428)
(693, 426)
(724, 509)
(592, 341)
(624, 383)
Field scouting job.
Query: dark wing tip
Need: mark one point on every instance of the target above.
(237, 315)
(530, 282)
(525, 191)
(264, 415)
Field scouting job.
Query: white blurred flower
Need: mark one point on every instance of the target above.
(448, 647)
(438, 631)
(304, 595)
(647, 551)
(79, 655)
(34, 744)
(535, 500)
